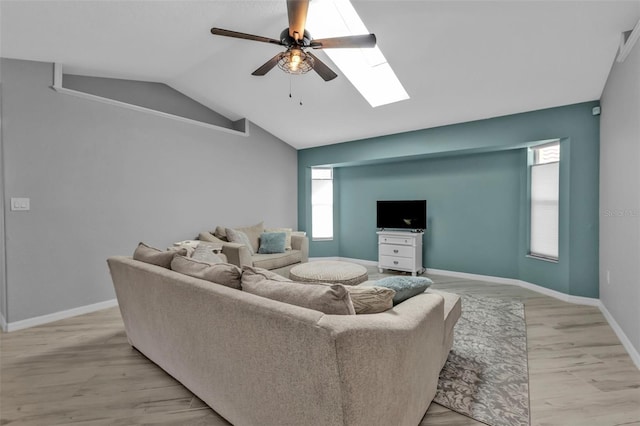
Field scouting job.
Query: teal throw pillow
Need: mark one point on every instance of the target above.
(405, 287)
(272, 242)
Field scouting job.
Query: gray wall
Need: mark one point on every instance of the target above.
(101, 178)
(620, 196)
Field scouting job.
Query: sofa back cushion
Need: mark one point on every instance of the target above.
(221, 273)
(255, 274)
(154, 256)
(327, 298)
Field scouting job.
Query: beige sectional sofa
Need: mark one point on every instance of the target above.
(239, 254)
(258, 361)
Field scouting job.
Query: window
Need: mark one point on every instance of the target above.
(321, 203)
(545, 191)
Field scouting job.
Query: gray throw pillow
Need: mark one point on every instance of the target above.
(154, 256)
(405, 287)
(207, 252)
(287, 231)
(327, 298)
(272, 242)
(225, 274)
(252, 232)
(370, 300)
(239, 237)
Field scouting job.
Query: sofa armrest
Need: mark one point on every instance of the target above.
(301, 243)
(237, 254)
(407, 341)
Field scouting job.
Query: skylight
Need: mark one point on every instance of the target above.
(366, 69)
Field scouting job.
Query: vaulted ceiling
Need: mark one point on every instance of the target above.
(458, 60)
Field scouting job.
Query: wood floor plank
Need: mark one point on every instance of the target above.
(82, 371)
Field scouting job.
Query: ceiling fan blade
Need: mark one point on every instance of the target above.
(297, 11)
(235, 34)
(356, 41)
(321, 68)
(268, 65)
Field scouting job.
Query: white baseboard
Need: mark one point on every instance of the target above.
(56, 316)
(579, 300)
(631, 350)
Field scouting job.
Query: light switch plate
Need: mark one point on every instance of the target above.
(20, 204)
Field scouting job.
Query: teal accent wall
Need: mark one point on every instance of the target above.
(475, 179)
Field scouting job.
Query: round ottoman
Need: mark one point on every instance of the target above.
(329, 271)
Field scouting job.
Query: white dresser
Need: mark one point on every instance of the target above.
(400, 251)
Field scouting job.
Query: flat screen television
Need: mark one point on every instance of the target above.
(402, 214)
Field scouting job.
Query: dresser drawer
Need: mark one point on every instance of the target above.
(394, 262)
(395, 240)
(394, 250)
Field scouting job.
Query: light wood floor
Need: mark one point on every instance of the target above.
(82, 371)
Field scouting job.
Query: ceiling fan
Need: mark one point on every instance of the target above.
(297, 59)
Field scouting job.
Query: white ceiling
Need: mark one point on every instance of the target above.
(458, 60)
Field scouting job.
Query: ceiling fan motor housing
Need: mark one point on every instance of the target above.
(289, 41)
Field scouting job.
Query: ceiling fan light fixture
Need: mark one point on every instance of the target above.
(295, 61)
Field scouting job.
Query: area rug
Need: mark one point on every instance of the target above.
(486, 376)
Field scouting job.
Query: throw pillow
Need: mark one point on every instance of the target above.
(207, 252)
(209, 237)
(331, 299)
(370, 300)
(405, 287)
(225, 274)
(220, 233)
(252, 232)
(239, 237)
(154, 256)
(272, 242)
(287, 231)
(253, 274)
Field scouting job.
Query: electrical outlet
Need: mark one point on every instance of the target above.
(20, 204)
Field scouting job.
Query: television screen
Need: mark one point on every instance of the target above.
(402, 214)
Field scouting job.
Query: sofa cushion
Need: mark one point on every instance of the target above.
(327, 298)
(225, 274)
(405, 287)
(370, 299)
(148, 254)
(208, 252)
(272, 242)
(254, 274)
(277, 260)
(287, 231)
(239, 237)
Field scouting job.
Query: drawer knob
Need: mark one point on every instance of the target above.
(395, 251)
(395, 262)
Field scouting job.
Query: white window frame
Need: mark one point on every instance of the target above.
(321, 204)
(544, 202)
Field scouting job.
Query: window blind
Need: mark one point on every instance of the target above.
(545, 191)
